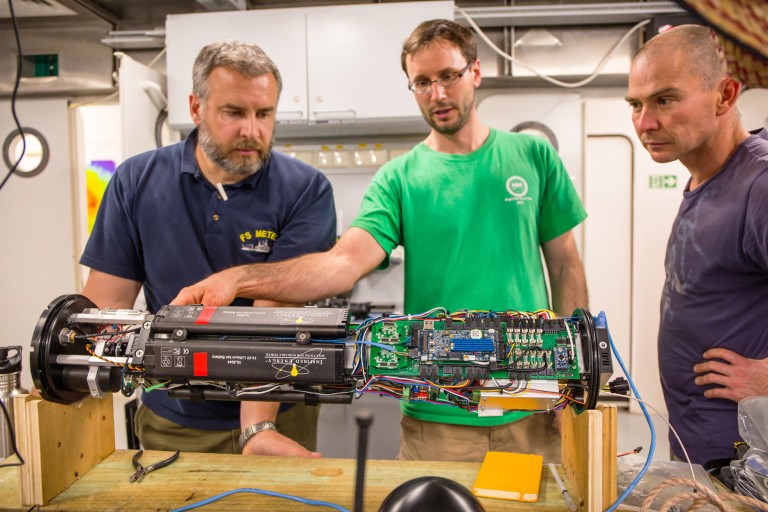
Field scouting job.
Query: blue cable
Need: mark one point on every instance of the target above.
(361, 342)
(602, 322)
(382, 346)
(305, 501)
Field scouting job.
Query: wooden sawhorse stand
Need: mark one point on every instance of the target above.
(62, 442)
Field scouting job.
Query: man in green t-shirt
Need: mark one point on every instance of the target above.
(474, 209)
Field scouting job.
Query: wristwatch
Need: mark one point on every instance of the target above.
(254, 429)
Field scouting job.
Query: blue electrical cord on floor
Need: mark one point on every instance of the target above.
(602, 322)
(305, 501)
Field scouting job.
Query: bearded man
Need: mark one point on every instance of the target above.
(220, 198)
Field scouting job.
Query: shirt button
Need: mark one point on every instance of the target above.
(218, 196)
(215, 217)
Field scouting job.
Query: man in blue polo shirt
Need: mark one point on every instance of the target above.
(222, 197)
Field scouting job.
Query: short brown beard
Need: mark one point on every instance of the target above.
(221, 156)
(460, 122)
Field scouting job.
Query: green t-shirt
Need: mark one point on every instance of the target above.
(472, 226)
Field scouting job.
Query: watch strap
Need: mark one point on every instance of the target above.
(252, 430)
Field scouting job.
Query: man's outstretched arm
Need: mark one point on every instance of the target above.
(306, 278)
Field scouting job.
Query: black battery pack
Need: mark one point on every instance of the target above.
(318, 322)
(244, 361)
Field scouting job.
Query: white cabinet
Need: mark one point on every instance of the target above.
(632, 202)
(338, 63)
(354, 59)
(281, 33)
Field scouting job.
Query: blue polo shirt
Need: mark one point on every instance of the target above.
(163, 224)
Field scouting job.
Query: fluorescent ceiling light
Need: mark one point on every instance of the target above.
(538, 37)
(135, 39)
(223, 5)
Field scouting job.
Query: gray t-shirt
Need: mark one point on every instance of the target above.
(715, 295)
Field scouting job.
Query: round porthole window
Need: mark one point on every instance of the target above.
(35, 154)
(538, 129)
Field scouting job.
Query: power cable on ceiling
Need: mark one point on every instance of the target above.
(570, 85)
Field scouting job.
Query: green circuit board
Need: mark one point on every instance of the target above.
(478, 348)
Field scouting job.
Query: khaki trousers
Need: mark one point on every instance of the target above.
(425, 440)
(157, 433)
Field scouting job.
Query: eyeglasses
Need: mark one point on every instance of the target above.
(446, 80)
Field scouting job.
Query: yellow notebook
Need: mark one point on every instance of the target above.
(509, 476)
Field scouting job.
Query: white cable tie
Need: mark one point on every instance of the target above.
(221, 190)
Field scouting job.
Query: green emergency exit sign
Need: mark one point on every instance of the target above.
(662, 181)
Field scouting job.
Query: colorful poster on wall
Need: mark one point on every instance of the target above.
(97, 175)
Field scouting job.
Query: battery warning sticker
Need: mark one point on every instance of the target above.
(292, 365)
(173, 357)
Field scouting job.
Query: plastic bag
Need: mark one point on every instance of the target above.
(659, 471)
(751, 472)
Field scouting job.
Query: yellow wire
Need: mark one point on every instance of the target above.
(121, 365)
(455, 386)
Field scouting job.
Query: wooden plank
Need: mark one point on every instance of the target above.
(593, 424)
(35, 460)
(610, 422)
(197, 476)
(66, 441)
(582, 451)
(20, 404)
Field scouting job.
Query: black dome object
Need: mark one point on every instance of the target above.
(430, 494)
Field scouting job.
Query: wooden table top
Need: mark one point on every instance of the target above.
(197, 476)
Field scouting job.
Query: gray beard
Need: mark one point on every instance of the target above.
(223, 158)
